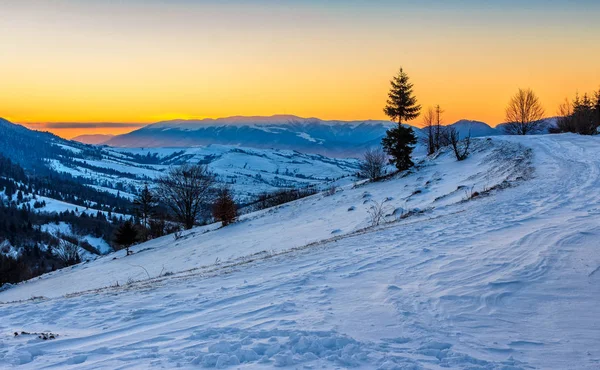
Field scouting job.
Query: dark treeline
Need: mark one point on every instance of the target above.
(28, 250)
(26, 147)
(13, 179)
(581, 115)
(32, 261)
(21, 229)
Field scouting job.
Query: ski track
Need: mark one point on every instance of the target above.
(502, 282)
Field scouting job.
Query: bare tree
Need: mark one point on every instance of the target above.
(187, 191)
(460, 148)
(524, 113)
(67, 252)
(430, 130)
(436, 135)
(440, 131)
(565, 121)
(373, 164)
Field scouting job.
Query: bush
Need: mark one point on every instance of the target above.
(377, 212)
(67, 252)
(373, 164)
(330, 191)
(460, 148)
(268, 200)
(224, 208)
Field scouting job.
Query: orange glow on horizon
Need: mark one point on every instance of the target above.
(137, 62)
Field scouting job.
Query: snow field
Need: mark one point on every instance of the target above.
(504, 281)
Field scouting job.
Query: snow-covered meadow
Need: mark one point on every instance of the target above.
(508, 279)
(247, 171)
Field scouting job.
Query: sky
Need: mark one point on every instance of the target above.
(90, 66)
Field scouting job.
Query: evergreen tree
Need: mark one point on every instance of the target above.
(145, 204)
(126, 235)
(401, 104)
(399, 144)
(597, 107)
(584, 115)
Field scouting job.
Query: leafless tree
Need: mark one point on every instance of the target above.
(441, 138)
(565, 121)
(67, 252)
(524, 113)
(373, 164)
(436, 135)
(187, 191)
(460, 147)
(430, 130)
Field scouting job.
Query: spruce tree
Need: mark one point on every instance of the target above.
(126, 235)
(597, 108)
(399, 144)
(145, 204)
(401, 106)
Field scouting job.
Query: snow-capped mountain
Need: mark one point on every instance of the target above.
(95, 139)
(474, 128)
(307, 135)
(248, 171)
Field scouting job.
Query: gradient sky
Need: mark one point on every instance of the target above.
(89, 61)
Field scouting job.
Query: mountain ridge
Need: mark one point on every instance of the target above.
(335, 138)
(93, 139)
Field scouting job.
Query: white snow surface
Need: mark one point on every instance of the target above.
(508, 280)
(247, 171)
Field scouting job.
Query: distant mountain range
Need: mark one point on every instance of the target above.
(93, 139)
(124, 171)
(308, 135)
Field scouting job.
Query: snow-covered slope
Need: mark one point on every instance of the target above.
(504, 281)
(247, 171)
(438, 184)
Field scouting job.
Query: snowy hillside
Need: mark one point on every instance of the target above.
(504, 280)
(247, 171)
(123, 171)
